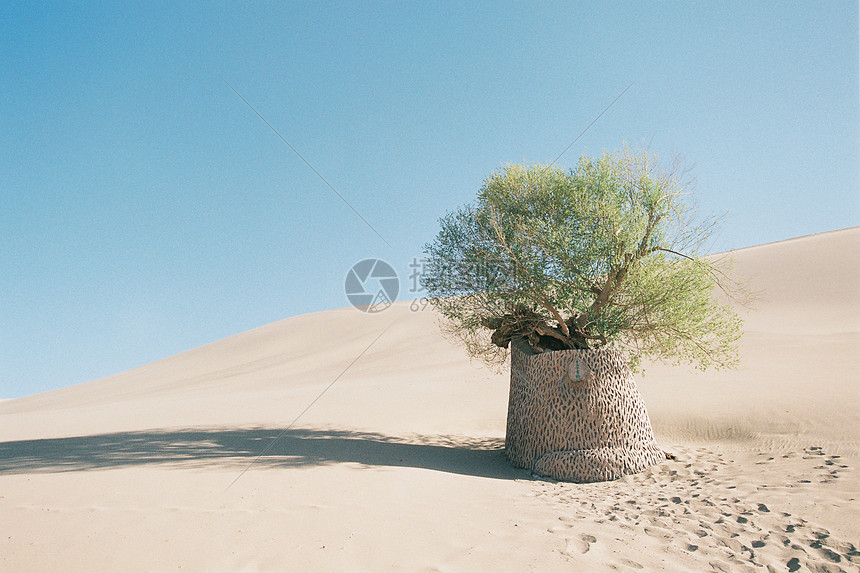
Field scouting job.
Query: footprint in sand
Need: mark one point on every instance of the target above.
(720, 566)
(658, 532)
(559, 528)
(818, 544)
(631, 563)
(847, 549)
(576, 546)
(720, 526)
(580, 544)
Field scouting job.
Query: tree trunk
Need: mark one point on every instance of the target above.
(593, 429)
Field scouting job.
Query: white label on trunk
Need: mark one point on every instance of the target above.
(578, 371)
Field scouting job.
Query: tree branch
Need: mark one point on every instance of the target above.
(540, 298)
(712, 270)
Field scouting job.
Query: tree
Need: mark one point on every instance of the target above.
(608, 253)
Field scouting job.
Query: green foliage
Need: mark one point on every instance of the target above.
(607, 253)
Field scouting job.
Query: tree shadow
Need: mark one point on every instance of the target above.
(265, 447)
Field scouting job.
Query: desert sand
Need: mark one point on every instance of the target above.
(343, 441)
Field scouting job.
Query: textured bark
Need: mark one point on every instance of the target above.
(595, 429)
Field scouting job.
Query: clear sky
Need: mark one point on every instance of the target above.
(146, 210)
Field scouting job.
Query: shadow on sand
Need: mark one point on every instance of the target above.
(266, 447)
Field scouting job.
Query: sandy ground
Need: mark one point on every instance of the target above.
(211, 460)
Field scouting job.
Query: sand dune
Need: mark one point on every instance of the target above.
(211, 460)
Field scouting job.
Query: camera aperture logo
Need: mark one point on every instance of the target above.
(371, 285)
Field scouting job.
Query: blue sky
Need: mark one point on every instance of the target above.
(145, 209)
